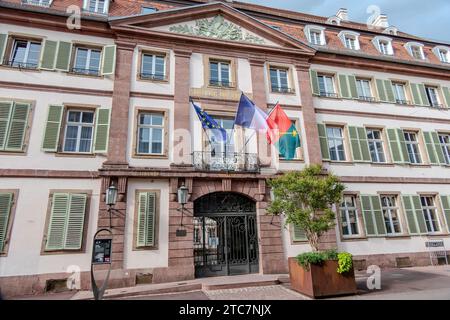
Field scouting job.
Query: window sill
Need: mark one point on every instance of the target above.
(382, 164)
(416, 165)
(349, 239)
(292, 161)
(75, 155)
(328, 97)
(150, 248)
(59, 252)
(344, 163)
(288, 92)
(21, 69)
(437, 235)
(399, 237)
(150, 156)
(83, 75)
(13, 153)
(231, 88)
(164, 81)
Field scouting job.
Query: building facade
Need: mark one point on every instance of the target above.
(106, 102)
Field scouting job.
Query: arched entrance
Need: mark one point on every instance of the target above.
(225, 235)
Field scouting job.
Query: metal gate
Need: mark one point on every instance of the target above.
(225, 241)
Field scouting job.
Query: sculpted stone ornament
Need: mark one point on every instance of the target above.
(217, 28)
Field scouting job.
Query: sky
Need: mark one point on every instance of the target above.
(429, 18)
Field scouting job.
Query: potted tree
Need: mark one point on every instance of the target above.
(306, 198)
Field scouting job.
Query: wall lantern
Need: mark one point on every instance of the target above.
(183, 193)
(111, 196)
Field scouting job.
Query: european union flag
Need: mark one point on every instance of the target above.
(209, 123)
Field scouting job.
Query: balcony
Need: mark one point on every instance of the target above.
(20, 65)
(228, 162)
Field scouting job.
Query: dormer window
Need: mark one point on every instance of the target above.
(384, 45)
(315, 35)
(146, 10)
(41, 3)
(415, 50)
(96, 6)
(350, 39)
(443, 53)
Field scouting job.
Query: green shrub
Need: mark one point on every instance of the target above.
(345, 261)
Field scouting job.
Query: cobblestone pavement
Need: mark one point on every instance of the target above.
(277, 292)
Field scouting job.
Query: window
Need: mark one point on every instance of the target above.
(444, 140)
(315, 35)
(219, 149)
(153, 66)
(391, 214)
(279, 80)
(151, 133)
(6, 208)
(146, 217)
(219, 74)
(66, 221)
(384, 45)
(399, 93)
(336, 143)
(349, 218)
(14, 123)
(326, 86)
(96, 6)
(87, 61)
(25, 54)
(350, 42)
(430, 214)
(350, 39)
(79, 131)
(412, 145)
(375, 140)
(415, 50)
(433, 96)
(443, 53)
(146, 10)
(42, 3)
(364, 90)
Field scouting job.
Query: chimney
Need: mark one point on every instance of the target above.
(381, 21)
(342, 14)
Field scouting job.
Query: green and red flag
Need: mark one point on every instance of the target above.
(282, 133)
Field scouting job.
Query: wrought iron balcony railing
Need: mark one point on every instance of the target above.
(282, 90)
(224, 84)
(152, 76)
(405, 102)
(20, 65)
(367, 99)
(88, 72)
(221, 161)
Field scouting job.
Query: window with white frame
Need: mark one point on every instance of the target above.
(79, 131)
(326, 85)
(364, 90)
(349, 216)
(430, 213)
(150, 133)
(279, 79)
(336, 147)
(443, 53)
(350, 39)
(96, 6)
(87, 61)
(415, 50)
(433, 96)
(375, 141)
(412, 145)
(391, 214)
(25, 54)
(221, 149)
(42, 3)
(219, 73)
(153, 66)
(315, 35)
(384, 45)
(146, 10)
(400, 92)
(444, 140)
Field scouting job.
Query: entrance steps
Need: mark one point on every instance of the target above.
(206, 284)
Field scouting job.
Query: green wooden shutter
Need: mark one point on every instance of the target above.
(434, 149)
(5, 116)
(102, 131)
(343, 85)
(389, 91)
(17, 127)
(423, 94)
(3, 41)
(63, 56)
(52, 128)
(378, 215)
(382, 96)
(109, 60)
(6, 200)
(446, 92)
(364, 144)
(368, 216)
(298, 234)
(397, 145)
(438, 148)
(58, 222)
(146, 219)
(352, 85)
(48, 56)
(414, 214)
(417, 100)
(323, 141)
(354, 142)
(314, 82)
(75, 222)
(445, 200)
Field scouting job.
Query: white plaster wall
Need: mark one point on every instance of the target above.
(147, 258)
(56, 78)
(244, 76)
(367, 169)
(35, 157)
(148, 86)
(197, 71)
(149, 104)
(24, 256)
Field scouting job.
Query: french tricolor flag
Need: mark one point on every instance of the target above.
(250, 116)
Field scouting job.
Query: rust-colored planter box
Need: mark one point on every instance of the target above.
(321, 281)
